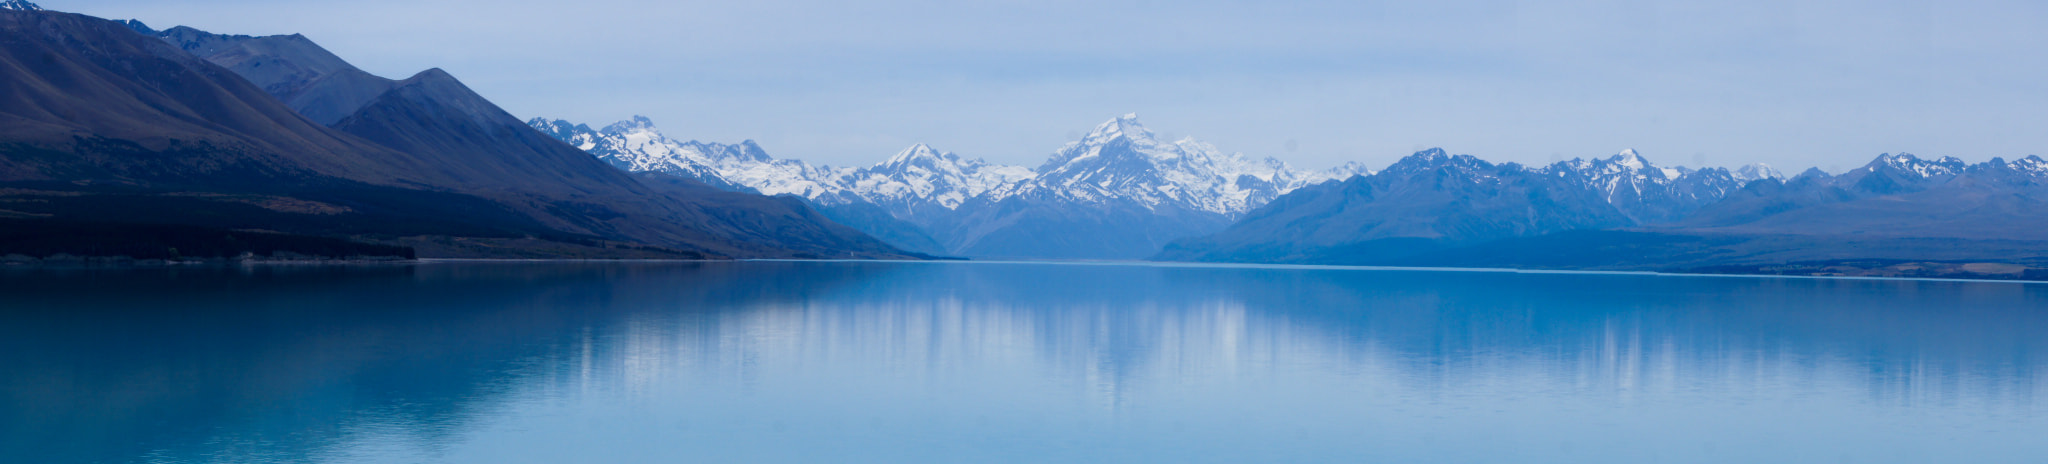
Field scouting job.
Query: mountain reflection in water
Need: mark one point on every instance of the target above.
(862, 361)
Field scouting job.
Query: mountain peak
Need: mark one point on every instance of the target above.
(437, 74)
(575, 134)
(1437, 158)
(1630, 158)
(1907, 163)
(915, 152)
(138, 26)
(637, 123)
(1757, 171)
(1126, 125)
(21, 5)
(2032, 165)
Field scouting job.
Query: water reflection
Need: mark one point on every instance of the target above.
(769, 361)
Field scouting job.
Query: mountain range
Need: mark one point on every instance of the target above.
(1900, 215)
(113, 124)
(1117, 193)
(118, 138)
(1895, 195)
(1432, 200)
(1120, 192)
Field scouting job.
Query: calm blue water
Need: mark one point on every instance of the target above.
(990, 362)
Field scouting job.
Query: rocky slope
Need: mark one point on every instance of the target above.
(102, 123)
(308, 78)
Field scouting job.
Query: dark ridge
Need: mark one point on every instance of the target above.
(100, 123)
(139, 27)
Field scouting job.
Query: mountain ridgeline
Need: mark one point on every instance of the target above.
(1122, 193)
(1900, 215)
(116, 125)
(1118, 193)
(118, 138)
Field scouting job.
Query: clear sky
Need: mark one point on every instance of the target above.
(1791, 83)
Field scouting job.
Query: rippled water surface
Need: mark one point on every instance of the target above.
(994, 362)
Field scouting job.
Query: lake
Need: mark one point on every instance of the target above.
(746, 362)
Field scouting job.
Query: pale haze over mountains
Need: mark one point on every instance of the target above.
(1806, 84)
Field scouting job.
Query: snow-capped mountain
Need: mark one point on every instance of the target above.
(1121, 159)
(2031, 166)
(1644, 192)
(1898, 195)
(636, 145)
(612, 149)
(1900, 173)
(2027, 172)
(1755, 172)
(1907, 163)
(1432, 199)
(1438, 209)
(1119, 163)
(1340, 172)
(920, 182)
(1427, 200)
(1121, 192)
(20, 5)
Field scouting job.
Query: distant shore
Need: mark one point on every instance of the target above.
(1914, 271)
(73, 261)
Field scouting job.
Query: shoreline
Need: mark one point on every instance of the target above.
(15, 262)
(116, 262)
(1340, 267)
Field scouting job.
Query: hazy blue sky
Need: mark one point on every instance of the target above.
(1793, 83)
